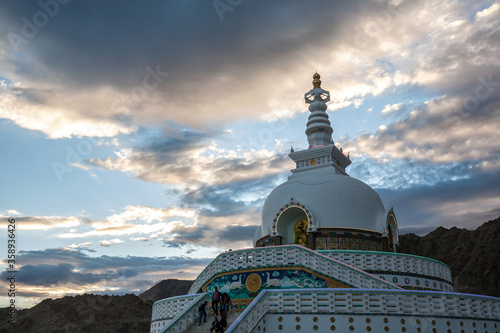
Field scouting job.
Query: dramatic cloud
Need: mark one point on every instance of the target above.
(138, 79)
(229, 199)
(203, 214)
(83, 246)
(62, 115)
(189, 162)
(65, 273)
(393, 108)
(58, 272)
(133, 220)
(43, 222)
(464, 201)
(438, 133)
(90, 263)
(141, 213)
(59, 266)
(388, 175)
(238, 232)
(110, 242)
(438, 51)
(459, 59)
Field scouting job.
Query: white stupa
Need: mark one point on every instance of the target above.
(320, 192)
(324, 259)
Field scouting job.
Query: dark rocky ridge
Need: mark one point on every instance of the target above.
(83, 313)
(94, 313)
(166, 288)
(472, 255)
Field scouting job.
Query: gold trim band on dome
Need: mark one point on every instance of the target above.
(268, 240)
(391, 214)
(268, 235)
(347, 228)
(287, 206)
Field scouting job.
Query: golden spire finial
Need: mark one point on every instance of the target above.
(316, 81)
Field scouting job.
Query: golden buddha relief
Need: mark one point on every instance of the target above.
(300, 232)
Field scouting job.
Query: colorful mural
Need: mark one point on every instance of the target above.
(249, 284)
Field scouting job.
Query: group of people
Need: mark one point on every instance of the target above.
(222, 302)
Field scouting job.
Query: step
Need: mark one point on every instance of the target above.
(205, 327)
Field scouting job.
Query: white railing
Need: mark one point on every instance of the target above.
(289, 255)
(176, 314)
(391, 262)
(168, 308)
(252, 314)
(366, 302)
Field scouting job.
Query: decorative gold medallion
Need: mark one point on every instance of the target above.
(312, 162)
(253, 283)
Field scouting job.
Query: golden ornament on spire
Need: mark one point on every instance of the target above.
(316, 80)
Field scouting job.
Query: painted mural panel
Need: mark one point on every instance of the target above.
(249, 284)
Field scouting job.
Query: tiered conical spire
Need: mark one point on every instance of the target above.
(318, 131)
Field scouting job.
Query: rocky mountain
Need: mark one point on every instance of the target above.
(166, 288)
(94, 313)
(83, 313)
(472, 255)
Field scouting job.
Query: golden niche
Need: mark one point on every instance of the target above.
(300, 231)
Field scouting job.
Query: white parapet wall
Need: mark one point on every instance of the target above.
(405, 270)
(289, 255)
(167, 311)
(355, 310)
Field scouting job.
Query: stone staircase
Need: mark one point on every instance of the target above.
(204, 328)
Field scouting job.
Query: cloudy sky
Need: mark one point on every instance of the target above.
(140, 140)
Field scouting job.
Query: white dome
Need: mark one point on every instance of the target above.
(331, 199)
